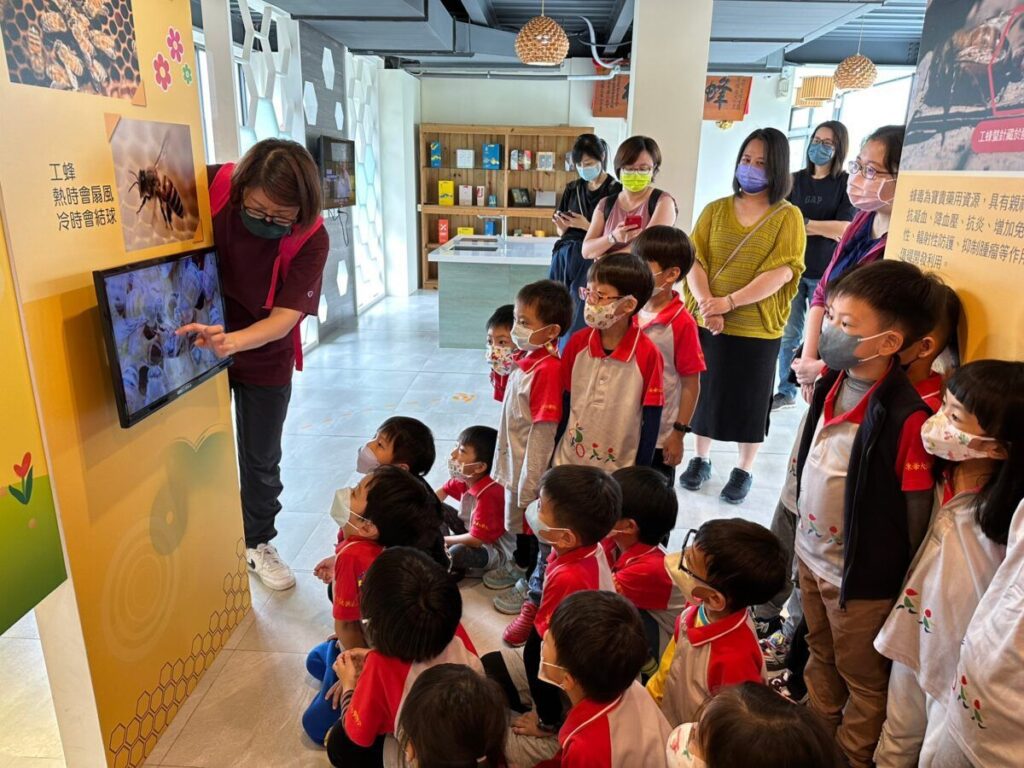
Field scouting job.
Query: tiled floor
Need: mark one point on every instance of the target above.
(246, 709)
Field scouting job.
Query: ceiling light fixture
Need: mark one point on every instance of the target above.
(857, 72)
(542, 42)
(815, 91)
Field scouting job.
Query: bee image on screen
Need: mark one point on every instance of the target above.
(142, 305)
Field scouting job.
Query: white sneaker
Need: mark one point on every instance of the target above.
(266, 563)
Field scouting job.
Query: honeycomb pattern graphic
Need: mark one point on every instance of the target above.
(130, 742)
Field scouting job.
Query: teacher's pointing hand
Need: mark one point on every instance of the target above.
(211, 337)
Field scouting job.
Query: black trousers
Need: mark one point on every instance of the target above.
(345, 753)
(659, 464)
(259, 423)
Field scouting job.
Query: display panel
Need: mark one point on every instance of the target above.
(337, 172)
(142, 305)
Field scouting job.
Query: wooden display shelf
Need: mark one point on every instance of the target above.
(499, 182)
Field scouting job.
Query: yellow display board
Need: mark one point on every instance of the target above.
(102, 165)
(960, 197)
(31, 560)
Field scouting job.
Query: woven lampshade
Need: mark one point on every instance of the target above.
(855, 73)
(542, 42)
(817, 90)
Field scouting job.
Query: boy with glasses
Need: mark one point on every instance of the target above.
(723, 568)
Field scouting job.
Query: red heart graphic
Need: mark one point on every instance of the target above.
(22, 469)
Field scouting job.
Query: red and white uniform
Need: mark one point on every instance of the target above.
(533, 398)
(482, 509)
(386, 681)
(725, 652)
(607, 395)
(820, 530)
(353, 558)
(930, 390)
(500, 383)
(639, 575)
(578, 569)
(674, 331)
(628, 731)
(984, 716)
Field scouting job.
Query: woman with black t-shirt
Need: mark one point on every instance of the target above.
(819, 191)
(572, 219)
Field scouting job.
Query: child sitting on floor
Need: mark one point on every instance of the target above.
(477, 539)
(412, 611)
(723, 568)
(593, 651)
(749, 725)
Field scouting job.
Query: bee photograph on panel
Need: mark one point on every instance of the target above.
(86, 46)
(970, 88)
(156, 183)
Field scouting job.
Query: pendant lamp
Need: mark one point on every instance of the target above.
(815, 91)
(542, 42)
(857, 72)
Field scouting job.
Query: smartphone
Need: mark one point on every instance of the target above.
(634, 221)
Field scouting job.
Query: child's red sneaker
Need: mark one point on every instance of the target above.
(518, 632)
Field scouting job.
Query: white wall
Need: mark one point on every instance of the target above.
(718, 148)
(399, 115)
(519, 102)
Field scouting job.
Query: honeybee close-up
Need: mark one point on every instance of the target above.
(157, 186)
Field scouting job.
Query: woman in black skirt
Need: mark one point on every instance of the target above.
(749, 258)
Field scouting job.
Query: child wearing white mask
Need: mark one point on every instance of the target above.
(748, 725)
(977, 438)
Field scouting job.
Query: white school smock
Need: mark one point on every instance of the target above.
(950, 574)
(984, 711)
(674, 332)
(607, 395)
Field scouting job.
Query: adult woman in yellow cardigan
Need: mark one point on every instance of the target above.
(750, 255)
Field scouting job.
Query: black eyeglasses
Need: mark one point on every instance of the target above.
(258, 214)
(690, 534)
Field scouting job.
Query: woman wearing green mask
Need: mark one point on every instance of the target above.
(618, 219)
(271, 248)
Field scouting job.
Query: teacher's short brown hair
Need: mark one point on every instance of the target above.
(286, 172)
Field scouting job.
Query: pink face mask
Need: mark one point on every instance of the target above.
(868, 195)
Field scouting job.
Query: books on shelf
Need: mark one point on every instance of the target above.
(446, 192)
(492, 157)
(435, 154)
(465, 158)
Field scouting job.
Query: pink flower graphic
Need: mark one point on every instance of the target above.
(162, 71)
(174, 44)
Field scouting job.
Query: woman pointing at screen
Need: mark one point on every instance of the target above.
(271, 247)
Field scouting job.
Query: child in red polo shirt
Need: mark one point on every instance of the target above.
(389, 507)
(731, 565)
(478, 541)
(526, 440)
(411, 609)
(593, 651)
(665, 320)
(919, 358)
(612, 372)
(649, 509)
(577, 508)
(500, 350)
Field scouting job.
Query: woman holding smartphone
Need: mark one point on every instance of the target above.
(620, 218)
(572, 220)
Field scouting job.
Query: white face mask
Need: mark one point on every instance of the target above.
(678, 749)
(602, 316)
(521, 337)
(367, 460)
(945, 363)
(341, 508)
(459, 471)
(944, 440)
(542, 674)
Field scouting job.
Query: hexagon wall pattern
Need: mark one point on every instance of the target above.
(131, 742)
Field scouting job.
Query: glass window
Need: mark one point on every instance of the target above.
(799, 118)
(884, 104)
(797, 148)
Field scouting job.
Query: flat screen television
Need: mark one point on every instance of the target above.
(141, 306)
(338, 172)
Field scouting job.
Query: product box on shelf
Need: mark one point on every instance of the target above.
(545, 161)
(442, 231)
(513, 160)
(435, 154)
(492, 157)
(481, 195)
(465, 158)
(465, 194)
(489, 227)
(527, 159)
(492, 201)
(569, 164)
(446, 192)
(544, 199)
(465, 231)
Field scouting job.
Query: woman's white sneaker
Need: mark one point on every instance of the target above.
(266, 563)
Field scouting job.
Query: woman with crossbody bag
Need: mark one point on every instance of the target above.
(271, 249)
(749, 258)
